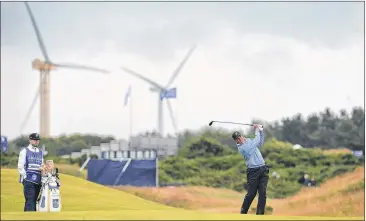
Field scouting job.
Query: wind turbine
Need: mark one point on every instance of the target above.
(163, 91)
(44, 67)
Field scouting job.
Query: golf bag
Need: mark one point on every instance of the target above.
(49, 198)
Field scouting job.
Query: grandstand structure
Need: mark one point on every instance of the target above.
(143, 146)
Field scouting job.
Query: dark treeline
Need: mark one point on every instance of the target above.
(64, 144)
(326, 129)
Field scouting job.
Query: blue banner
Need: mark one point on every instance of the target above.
(132, 173)
(358, 153)
(4, 144)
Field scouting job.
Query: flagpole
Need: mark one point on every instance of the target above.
(130, 114)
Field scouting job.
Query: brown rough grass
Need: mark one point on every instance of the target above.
(338, 151)
(326, 200)
(198, 198)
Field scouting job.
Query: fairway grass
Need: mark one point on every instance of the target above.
(76, 195)
(154, 215)
(85, 200)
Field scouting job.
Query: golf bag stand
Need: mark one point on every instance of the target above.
(49, 198)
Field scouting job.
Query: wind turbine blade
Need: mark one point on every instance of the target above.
(82, 67)
(31, 107)
(171, 115)
(142, 77)
(176, 72)
(38, 34)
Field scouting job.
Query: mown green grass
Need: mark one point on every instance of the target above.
(154, 215)
(85, 200)
(77, 194)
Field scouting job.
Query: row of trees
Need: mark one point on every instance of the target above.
(324, 130)
(63, 144)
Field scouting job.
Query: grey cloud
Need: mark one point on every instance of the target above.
(156, 30)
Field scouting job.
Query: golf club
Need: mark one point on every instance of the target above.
(226, 122)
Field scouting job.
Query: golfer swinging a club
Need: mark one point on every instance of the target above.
(257, 171)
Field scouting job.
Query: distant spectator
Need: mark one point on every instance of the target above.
(307, 180)
(313, 181)
(301, 180)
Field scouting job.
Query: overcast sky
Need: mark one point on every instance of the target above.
(253, 60)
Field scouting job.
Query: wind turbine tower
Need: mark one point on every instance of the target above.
(44, 68)
(163, 92)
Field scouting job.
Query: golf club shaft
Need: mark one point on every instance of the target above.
(228, 122)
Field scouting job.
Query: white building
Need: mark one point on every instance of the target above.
(105, 150)
(85, 151)
(95, 150)
(74, 155)
(147, 146)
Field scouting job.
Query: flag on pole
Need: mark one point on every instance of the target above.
(127, 96)
(4, 144)
(170, 93)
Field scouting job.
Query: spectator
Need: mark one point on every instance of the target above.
(313, 182)
(302, 179)
(307, 180)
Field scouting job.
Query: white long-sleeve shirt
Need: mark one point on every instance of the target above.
(22, 160)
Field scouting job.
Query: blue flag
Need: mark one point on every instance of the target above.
(358, 153)
(170, 93)
(127, 96)
(4, 144)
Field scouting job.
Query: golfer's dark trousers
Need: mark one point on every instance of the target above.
(257, 179)
(31, 191)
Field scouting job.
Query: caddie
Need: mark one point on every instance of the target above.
(30, 163)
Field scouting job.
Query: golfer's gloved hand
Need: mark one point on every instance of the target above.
(260, 127)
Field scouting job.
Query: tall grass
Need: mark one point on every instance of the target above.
(339, 196)
(198, 198)
(327, 200)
